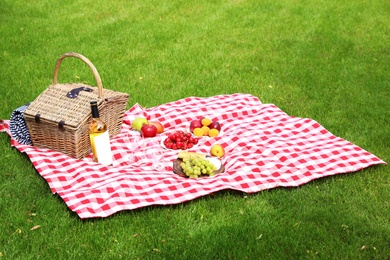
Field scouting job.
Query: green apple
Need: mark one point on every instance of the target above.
(138, 123)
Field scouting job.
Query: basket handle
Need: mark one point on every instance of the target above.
(88, 62)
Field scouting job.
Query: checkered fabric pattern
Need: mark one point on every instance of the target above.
(265, 148)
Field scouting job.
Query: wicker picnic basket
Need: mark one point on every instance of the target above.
(59, 117)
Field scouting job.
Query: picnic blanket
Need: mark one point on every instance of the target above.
(265, 148)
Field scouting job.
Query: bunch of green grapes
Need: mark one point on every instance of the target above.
(194, 166)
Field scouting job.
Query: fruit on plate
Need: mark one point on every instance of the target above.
(185, 154)
(194, 167)
(148, 130)
(216, 161)
(213, 132)
(195, 124)
(138, 123)
(198, 131)
(180, 140)
(206, 130)
(205, 124)
(217, 150)
(205, 121)
(158, 125)
(215, 125)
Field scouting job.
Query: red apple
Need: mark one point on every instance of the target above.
(148, 130)
(158, 125)
(195, 124)
(215, 125)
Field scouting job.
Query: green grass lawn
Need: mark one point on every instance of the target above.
(325, 60)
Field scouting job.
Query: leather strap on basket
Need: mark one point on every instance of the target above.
(61, 125)
(88, 62)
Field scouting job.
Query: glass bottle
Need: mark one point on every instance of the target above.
(99, 137)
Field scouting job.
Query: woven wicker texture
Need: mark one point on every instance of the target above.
(58, 122)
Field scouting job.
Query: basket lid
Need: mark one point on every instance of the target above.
(57, 105)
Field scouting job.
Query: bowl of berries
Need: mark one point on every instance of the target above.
(179, 140)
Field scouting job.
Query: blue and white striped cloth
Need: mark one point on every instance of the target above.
(18, 126)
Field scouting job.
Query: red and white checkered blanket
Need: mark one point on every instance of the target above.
(265, 148)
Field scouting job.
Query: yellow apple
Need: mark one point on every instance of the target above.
(217, 150)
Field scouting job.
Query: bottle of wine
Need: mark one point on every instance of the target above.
(99, 137)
